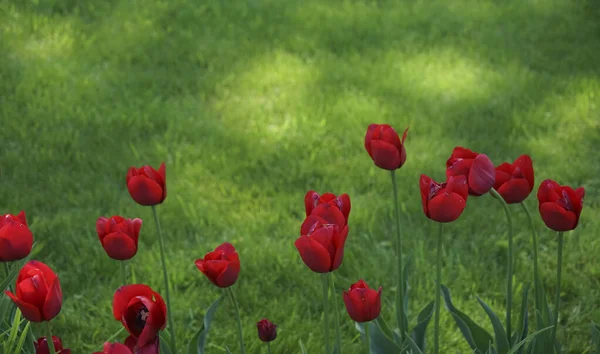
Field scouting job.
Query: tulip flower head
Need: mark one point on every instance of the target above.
(130, 346)
(119, 236)
(221, 266)
(362, 303)
(16, 239)
(477, 168)
(560, 206)
(267, 330)
(514, 182)
(385, 146)
(41, 346)
(146, 185)
(321, 247)
(444, 202)
(312, 200)
(38, 292)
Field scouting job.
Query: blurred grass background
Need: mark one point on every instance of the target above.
(253, 102)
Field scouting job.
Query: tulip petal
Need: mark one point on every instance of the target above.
(116, 348)
(154, 322)
(547, 191)
(482, 175)
(331, 214)
(344, 205)
(557, 218)
(144, 190)
(524, 163)
(310, 201)
(124, 294)
(515, 190)
(446, 207)
(49, 274)
(229, 276)
(314, 255)
(385, 155)
(339, 242)
(163, 307)
(119, 246)
(53, 302)
(311, 223)
(21, 216)
(352, 307)
(369, 137)
(16, 241)
(29, 311)
(101, 227)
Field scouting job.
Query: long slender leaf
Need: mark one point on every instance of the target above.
(227, 350)
(164, 343)
(380, 342)
(423, 319)
(415, 348)
(502, 344)
(14, 330)
(596, 338)
(302, 348)
(521, 332)
(198, 342)
(22, 338)
(526, 340)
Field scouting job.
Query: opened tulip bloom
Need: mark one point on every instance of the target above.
(221, 266)
(312, 200)
(131, 347)
(321, 247)
(141, 310)
(362, 303)
(119, 236)
(146, 185)
(41, 346)
(267, 330)
(477, 168)
(39, 296)
(444, 202)
(385, 147)
(514, 182)
(16, 239)
(560, 206)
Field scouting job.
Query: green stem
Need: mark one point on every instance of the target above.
(7, 270)
(509, 272)
(400, 297)
(438, 292)
(558, 279)
(166, 279)
(325, 281)
(124, 272)
(536, 277)
(269, 347)
(239, 320)
(49, 339)
(336, 309)
(110, 339)
(367, 338)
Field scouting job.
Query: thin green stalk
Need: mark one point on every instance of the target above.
(367, 338)
(166, 279)
(239, 320)
(111, 338)
(509, 272)
(438, 292)
(538, 287)
(400, 298)
(49, 339)
(325, 281)
(7, 270)
(336, 309)
(558, 279)
(269, 347)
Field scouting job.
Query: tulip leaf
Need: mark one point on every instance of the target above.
(596, 338)
(381, 343)
(302, 348)
(336, 350)
(164, 343)
(415, 348)
(198, 342)
(521, 332)
(477, 337)
(531, 337)
(10, 278)
(22, 338)
(227, 350)
(418, 333)
(501, 339)
(14, 329)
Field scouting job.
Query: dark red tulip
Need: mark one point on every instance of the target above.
(514, 181)
(477, 168)
(146, 185)
(312, 199)
(41, 346)
(385, 147)
(444, 202)
(39, 296)
(362, 303)
(267, 330)
(119, 236)
(141, 310)
(221, 266)
(321, 247)
(16, 239)
(151, 348)
(115, 348)
(560, 206)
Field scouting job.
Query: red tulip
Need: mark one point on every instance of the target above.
(221, 266)
(514, 181)
(362, 303)
(141, 310)
(321, 247)
(41, 346)
(16, 239)
(146, 185)
(312, 199)
(444, 202)
(477, 168)
(115, 348)
(560, 206)
(267, 330)
(119, 236)
(385, 147)
(39, 296)
(131, 347)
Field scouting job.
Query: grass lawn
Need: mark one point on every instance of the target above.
(251, 103)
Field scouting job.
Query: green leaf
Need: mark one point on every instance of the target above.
(415, 348)
(418, 333)
(164, 343)
(336, 350)
(531, 337)
(596, 338)
(477, 337)
(198, 342)
(302, 348)
(14, 330)
(380, 342)
(521, 332)
(227, 350)
(502, 344)
(22, 338)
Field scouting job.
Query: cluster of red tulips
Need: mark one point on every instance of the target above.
(323, 234)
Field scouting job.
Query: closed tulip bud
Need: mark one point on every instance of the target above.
(267, 330)
(119, 236)
(321, 247)
(560, 206)
(221, 266)
(385, 146)
(477, 168)
(444, 202)
(514, 182)
(146, 185)
(362, 303)
(16, 239)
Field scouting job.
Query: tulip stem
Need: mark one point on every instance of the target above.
(325, 281)
(239, 320)
(438, 292)
(336, 309)
(269, 347)
(509, 272)
(367, 338)
(536, 277)
(49, 339)
(558, 279)
(7, 270)
(166, 279)
(400, 295)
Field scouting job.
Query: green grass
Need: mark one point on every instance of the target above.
(251, 103)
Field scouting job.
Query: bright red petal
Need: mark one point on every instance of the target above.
(124, 294)
(314, 255)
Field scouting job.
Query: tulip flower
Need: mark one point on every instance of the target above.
(119, 236)
(267, 330)
(514, 181)
(362, 303)
(130, 346)
(560, 206)
(326, 214)
(322, 246)
(444, 202)
(477, 168)
(41, 346)
(312, 199)
(221, 266)
(141, 310)
(39, 296)
(146, 185)
(16, 239)
(385, 146)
